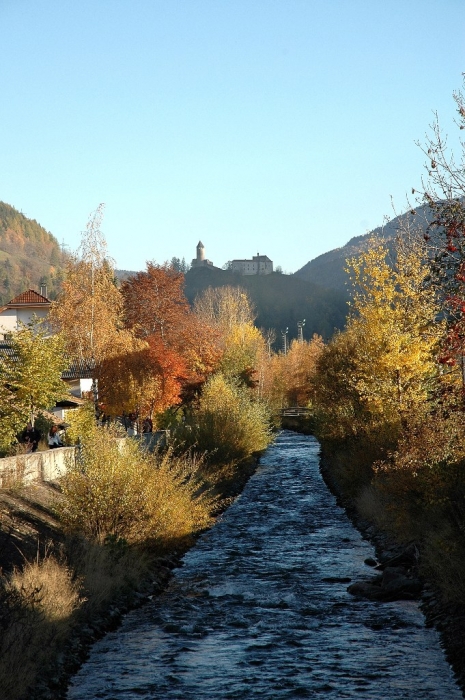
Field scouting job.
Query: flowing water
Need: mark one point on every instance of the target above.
(260, 609)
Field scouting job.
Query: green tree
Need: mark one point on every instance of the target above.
(30, 377)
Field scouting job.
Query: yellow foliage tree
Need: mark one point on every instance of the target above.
(289, 378)
(89, 310)
(229, 311)
(228, 423)
(394, 320)
(116, 490)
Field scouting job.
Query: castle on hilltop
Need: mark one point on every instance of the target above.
(199, 260)
(258, 265)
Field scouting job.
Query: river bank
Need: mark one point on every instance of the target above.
(29, 527)
(30, 530)
(447, 618)
(260, 608)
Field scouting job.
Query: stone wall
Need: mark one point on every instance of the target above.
(39, 466)
(51, 464)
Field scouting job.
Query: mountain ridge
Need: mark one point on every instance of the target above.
(327, 269)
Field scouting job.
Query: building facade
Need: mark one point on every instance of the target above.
(22, 309)
(258, 265)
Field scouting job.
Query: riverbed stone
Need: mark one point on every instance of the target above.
(395, 583)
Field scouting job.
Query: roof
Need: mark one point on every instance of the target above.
(76, 369)
(79, 369)
(28, 298)
(70, 401)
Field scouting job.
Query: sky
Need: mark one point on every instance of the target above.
(279, 127)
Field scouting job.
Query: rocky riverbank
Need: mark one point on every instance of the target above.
(397, 576)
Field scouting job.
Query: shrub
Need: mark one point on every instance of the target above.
(81, 423)
(116, 490)
(228, 424)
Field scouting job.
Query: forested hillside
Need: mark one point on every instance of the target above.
(281, 301)
(29, 256)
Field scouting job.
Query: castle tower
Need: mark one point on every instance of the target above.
(200, 252)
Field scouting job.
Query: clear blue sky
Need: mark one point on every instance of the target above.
(274, 126)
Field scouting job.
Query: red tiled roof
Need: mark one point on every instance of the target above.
(29, 297)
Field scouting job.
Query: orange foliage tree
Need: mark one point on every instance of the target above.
(181, 349)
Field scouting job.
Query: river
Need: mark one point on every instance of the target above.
(259, 609)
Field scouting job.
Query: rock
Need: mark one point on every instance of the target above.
(405, 557)
(394, 584)
(369, 561)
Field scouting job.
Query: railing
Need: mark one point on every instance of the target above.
(294, 411)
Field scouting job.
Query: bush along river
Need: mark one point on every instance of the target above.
(260, 609)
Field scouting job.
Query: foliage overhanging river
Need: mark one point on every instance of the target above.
(260, 609)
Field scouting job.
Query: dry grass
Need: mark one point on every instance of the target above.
(106, 571)
(37, 605)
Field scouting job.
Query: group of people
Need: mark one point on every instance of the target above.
(130, 422)
(31, 438)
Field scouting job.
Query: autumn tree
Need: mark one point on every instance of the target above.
(89, 310)
(227, 422)
(289, 378)
(225, 307)
(229, 311)
(145, 380)
(383, 366)
(154, 302)
(182, 350)
(394, 316)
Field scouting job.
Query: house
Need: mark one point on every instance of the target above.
(79, 381)
(78, 377)
(259, 265)
(22, 309)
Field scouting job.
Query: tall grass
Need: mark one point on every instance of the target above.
(37, 605)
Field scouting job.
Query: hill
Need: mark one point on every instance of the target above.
(280, 300)
(327, 270)
(29, 256)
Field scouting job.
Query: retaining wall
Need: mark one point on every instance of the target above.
(38, 466)
(51, 464)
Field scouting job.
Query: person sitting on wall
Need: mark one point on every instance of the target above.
(30, 437)
(54, 438)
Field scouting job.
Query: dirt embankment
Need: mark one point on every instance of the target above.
(28, 525)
